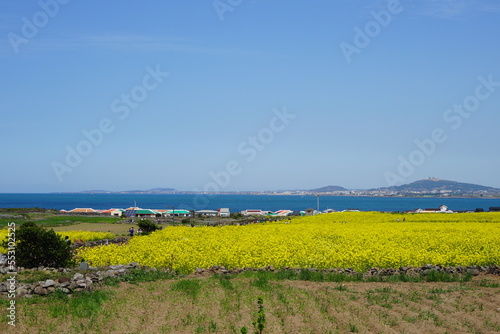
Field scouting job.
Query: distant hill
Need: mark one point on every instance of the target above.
(328, 189)
(150, 191)
(94, 191)
(436, 185)
(162, 190)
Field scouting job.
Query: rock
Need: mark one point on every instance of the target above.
(20, 292)
(473, 272)
(40, 291)
(81, 283)
(84, 266)
(65, 284)
(49, 283)
(64, 279)
(77, 277)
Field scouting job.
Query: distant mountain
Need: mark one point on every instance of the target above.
(433, 185)
(150, 191)
(95, 191)
(162, 190)
(328, 189)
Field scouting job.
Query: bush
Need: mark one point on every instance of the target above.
(40, 247)
(236, 215)
(147, 226)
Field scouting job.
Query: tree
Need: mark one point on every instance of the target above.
(147, 226)
(40, 247)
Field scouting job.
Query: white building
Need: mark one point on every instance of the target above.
(207, 213)
(117, 212)
(224, 212)
(250, 212)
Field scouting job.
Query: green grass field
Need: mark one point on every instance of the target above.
(51, 219)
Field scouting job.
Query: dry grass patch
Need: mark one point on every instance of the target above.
(224, 305)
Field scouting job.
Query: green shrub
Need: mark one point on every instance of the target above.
(236, 215)
(40, 247)
(147, 226)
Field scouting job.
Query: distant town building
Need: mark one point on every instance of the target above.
(177, 213)
(117, 212)
(147, 213)
(441, 209)
(311, 212)
(252, 212)
(207, 213)
(84, 210)
(224, 212)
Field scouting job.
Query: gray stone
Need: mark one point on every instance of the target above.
(48, 283)
(40, 291)
(77, 277)
(81, 283)
(64, 279)
(473, 272)
(65, 284)
(84, 266)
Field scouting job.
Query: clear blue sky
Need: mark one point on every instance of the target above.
(355, 85)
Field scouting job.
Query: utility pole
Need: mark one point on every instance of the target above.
(317, 199)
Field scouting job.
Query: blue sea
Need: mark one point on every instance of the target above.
(237, 202)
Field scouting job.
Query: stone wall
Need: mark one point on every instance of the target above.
(410, 271)
(88, 278)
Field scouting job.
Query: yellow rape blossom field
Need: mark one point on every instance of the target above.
(358, 240)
